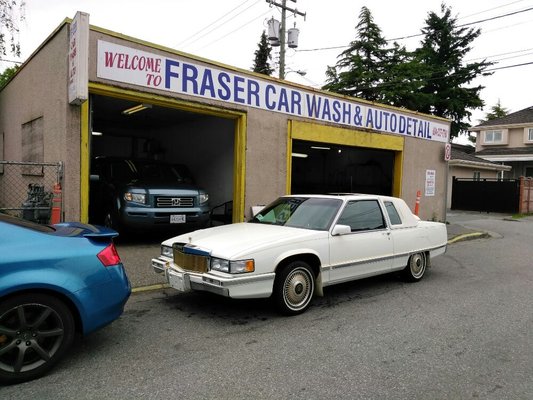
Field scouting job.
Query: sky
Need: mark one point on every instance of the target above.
(228, 32)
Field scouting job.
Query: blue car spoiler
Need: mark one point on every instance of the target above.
(79, 229)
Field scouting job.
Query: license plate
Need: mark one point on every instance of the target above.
(179, 282)
(177, 219)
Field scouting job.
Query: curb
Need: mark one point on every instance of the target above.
(468, 236)
(142, 289)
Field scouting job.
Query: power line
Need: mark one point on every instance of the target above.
(235, 30)
(491, 9)
(215, 27)
(421, 34)
(509, 66)
(469, 23)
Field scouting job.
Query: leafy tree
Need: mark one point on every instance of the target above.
(361, 66)
(11, 12)
(496, 111)
(263, 56)
(6, 75)
(442, 50)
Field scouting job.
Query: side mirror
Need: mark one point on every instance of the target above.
(341, 230)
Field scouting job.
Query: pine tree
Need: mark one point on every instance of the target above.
(442, 51)
(496, 111)
(6, 75)
(263, 56)
(11, 11)
(361, 66)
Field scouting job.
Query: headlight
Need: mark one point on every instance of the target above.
(232, 267)
(135, 197)
(204, 198)
(167, 251)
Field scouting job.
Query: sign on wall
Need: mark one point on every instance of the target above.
(78, 59)
(141, 68)
(430, 182)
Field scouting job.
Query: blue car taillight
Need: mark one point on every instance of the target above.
(109, 256)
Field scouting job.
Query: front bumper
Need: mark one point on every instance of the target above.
(154, 218)
(234, 286)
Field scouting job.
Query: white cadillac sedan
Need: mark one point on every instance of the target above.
(299, 244)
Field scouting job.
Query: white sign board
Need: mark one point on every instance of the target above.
(124, 64)
(430, 182)
(78, 59)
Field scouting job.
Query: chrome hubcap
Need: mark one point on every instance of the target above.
(298, 288)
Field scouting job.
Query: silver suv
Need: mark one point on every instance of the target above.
(138, 195)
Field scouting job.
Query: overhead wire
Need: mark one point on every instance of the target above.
(215, 27)
(421, 34)
(235, 30)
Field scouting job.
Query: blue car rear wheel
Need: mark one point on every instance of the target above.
(35, 332)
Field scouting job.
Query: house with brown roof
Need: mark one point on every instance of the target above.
(508, 141)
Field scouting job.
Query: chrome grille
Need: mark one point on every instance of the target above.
(174, 201)
(189, 262)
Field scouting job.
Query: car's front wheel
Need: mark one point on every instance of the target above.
(294, 288)
(416, 267)
(35, 331)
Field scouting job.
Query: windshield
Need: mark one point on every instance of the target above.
(300, 212)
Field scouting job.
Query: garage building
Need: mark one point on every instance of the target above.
(247, 138)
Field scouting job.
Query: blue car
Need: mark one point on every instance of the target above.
(55, 281)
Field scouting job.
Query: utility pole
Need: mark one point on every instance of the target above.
(282, 30)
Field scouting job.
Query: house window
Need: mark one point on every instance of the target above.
(33, 145)
(477, 175)
(493, 136)
(529, 134)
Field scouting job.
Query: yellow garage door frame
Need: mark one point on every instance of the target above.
(239, 160)
(298, 130)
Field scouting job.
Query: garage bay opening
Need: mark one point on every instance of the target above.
(319, 168)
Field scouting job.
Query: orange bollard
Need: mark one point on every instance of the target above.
(56, 205)
(417, 203)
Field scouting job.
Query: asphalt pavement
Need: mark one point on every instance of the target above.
(136, 254)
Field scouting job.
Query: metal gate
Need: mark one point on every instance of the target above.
(490, 195)
(31, 190)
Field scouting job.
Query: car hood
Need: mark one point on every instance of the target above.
(236, 240)
(158, 185)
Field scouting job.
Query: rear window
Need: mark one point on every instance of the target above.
(393, 213)
(26, 224)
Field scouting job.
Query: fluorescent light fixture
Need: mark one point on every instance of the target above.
(320, 148)
(137, 108)
(94, 133)
(299, 155)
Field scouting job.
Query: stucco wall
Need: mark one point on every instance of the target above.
(40, 90)
(419, 156)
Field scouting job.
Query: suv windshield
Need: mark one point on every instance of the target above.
(129, 170)
(300, 212)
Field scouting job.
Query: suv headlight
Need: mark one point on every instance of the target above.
(232, 267)
(203, 198)
(135, 197)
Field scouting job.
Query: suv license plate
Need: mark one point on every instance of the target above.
(177, 219)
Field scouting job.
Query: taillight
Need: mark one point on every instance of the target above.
(109, 256)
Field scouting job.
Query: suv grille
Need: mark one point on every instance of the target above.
(174, 201)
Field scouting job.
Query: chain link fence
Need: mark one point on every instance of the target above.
(30, 190)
